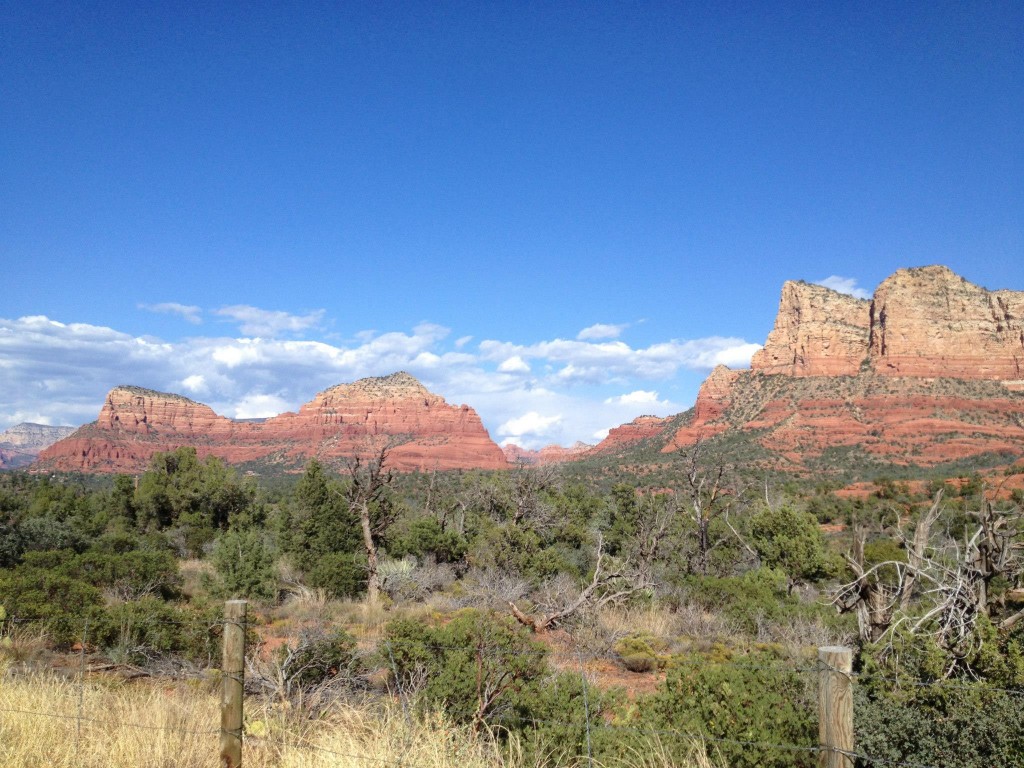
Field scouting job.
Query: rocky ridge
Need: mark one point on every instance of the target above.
(425, 431)
(923, 322)
(930, 370)
(640, 428)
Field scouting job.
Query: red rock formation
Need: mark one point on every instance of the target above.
(426, 432)
(931, 322)
(640, 428)
(925, 322)
(143, 411)
(818, 332)
(933, 375)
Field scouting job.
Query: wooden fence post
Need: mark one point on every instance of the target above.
(835, 707)
(232, 672)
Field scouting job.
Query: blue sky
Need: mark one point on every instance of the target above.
(562, 214)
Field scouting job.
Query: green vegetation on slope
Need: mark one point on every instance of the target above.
(691, 596)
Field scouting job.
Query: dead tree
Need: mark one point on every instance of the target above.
(875, 600)
(965, 591)
(955, 581)
(607, 586)
(651, 538)
(708, 498)
(367, 499)
(527, 487)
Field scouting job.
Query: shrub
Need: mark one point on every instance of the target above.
(245, 565)
(342, 574)
(317, 657)
(139, 629)
(479, 667)
(969, 725)
(131, 574)
(756, 699)
(642, 652)
(57, 601)
(425, 537)
(790, 540)
(750, 600)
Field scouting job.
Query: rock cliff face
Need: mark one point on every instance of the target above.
(20, 444)
(424, 430)
(931, 322)
(928, 371)
(640, 428)
(818, 332)
(924, 322)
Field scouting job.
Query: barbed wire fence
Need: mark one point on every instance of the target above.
(835, 679)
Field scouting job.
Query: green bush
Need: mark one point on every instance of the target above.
(556, 731)
(642, 652)
(130, 574)
(757, 699)
(790, 540)
(139, 629)
(480, 667)
(425, 537)
(245, 565)
(35, 592)
(969, 725)
(342, 574)
(756, 597)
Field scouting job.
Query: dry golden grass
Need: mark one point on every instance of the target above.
(649, 620)
(40, 725)
(22, 643)
(47, 721)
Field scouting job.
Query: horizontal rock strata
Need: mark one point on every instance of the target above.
(930, 370)
(425, 432)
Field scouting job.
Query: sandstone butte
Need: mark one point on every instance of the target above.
(929, 370)
(425, 431)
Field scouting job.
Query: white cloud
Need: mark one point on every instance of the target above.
(266, 323)
(531, 423)
(257, 406)
(514, 364)
(10, 418)
(195, 383)
(186, 311)
(601, 331)
(234, 354)
(639, 398)
(737, 356)
(426, 360)
(601, 434)
(574, 374)
(609, 361)
(60, 372)
(847, 285)
(462, 341)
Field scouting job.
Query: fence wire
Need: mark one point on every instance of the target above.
(576, 658)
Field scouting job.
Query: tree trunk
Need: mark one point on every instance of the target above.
(372, 573)
(704, 545)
